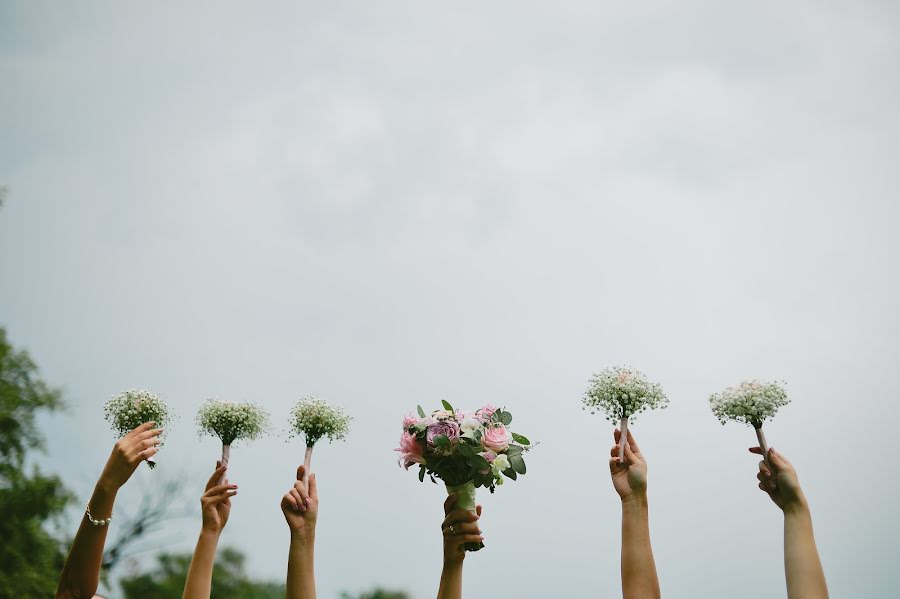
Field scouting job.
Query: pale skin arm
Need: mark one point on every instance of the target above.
(300, 506)
(458, 528)
(80, 576)
(216, 507)
(802, 568)
(629, 477)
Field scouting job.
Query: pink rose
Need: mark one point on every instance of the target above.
(496, 438)
(486, 412)
(410, 450)
(409, 420)
(489, 455)
(442, 427)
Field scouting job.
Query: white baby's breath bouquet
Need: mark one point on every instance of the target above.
(232, 421)
(622, 393)
(130, 409)
(314, 419)
(751, 402)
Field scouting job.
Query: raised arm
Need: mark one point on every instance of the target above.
(459, 527)
(81, 573)
(629, 477)
(215, 504)
(802, 568)
(300, 506)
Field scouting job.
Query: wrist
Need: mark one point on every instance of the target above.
(106, 487)
(452, 564)
(635, 500)
(210, 531)
(305, 539)
(797, 507)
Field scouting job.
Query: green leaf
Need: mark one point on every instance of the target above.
(422, 473)
(514, 450)
(517, 463)
(441, 441)
(447, 406)
(520, 439)
(506, 418)
(421, 411)
(510, 473)
(466, 449)
(479, 462)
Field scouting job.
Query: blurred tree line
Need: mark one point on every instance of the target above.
(33, 502)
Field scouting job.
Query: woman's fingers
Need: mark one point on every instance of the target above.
(218, 489)
(290, 501)
(216, 475)
(449, 503)
(464, 528)
(147, 453)
(298, 499)
(756, 450)
(154, 432)
(219, 497)
(304, 494)
(459, 516)
(629, 438)
(140, 429)
(313, 487)
(469, 539)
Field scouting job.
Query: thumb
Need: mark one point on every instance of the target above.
(478, 510)
(778, 461)
(313, 487)
(630, 456)
(300, 471)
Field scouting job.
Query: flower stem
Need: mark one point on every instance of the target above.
(307, 460)
(623, 428)
(761, 437)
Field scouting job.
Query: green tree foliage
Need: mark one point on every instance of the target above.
(229, 580)
(30, 558)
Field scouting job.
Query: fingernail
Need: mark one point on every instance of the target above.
(307, 501)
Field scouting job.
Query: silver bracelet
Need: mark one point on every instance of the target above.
(101, 521)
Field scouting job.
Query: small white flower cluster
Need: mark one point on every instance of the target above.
(231, 421)
(621, 393)
(751, 402)
(314, 418)
(129, 409)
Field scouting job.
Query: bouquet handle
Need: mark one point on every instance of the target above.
(623, 428)
(761, 437)
(307, 462)
(226, 454)
(465, 500)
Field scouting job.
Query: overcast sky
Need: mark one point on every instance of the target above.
(390, 203)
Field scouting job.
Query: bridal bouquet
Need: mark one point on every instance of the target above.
(751, 402)
(622, 393)
(130, 409)
(230, 422)
(314, 418)
(466, 450)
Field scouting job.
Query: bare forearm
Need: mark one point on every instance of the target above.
(802, 568)
(81, 573)
(199, 579)
(639, 580)
(301, 580)
(451, 581)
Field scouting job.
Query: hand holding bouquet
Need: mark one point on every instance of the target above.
(230, 422)
(314, 419)
(622, 393)
(466, 450)
(130, 409)
(751, 402)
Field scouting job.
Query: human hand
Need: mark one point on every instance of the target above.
(629, 477)
(780, 481)
(216, 500)
(128, 453)
(300, 506)
(459, 527)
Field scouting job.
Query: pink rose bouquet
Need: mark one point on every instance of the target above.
(466, 450)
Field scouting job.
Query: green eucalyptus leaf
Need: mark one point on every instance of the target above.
(421, 411)
(517, 463)
(521, 439)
